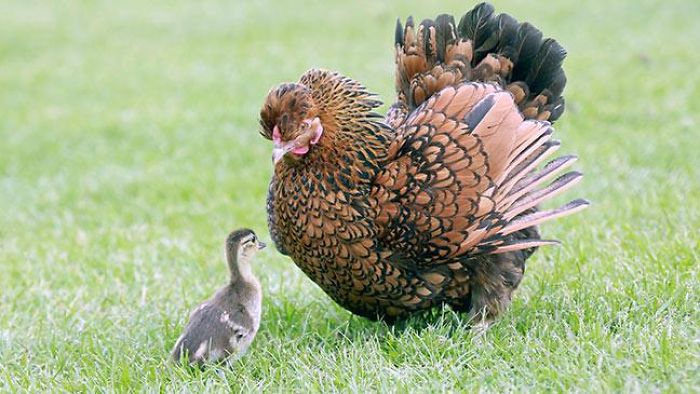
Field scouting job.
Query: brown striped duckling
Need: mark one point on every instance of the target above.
(222, 328)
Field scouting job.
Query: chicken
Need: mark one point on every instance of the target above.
(437, 203)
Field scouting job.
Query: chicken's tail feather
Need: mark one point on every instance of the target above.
(519, 181)
(485, 47)
(522, 187)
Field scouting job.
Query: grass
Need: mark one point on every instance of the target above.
(129, 148)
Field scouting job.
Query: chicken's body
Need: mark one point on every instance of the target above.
(437, 203)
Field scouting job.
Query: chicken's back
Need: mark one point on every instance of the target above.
(494, 49)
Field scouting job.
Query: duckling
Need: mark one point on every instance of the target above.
(222, 328)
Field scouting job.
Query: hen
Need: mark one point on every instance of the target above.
(436, 203)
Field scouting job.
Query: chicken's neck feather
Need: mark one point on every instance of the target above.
(345, 107)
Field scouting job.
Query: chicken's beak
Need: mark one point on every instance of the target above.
(300, 145)
(261, 245)
(281, 149)
(277, 154)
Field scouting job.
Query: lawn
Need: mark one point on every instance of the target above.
(129, 148)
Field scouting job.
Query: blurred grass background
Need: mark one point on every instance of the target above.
(129, 148)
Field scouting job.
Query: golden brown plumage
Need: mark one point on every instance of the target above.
(436, 203)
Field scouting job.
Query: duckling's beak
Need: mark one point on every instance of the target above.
(261, 245)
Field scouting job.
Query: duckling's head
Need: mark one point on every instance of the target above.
(241, 246)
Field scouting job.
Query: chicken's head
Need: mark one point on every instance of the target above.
(290, 119)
